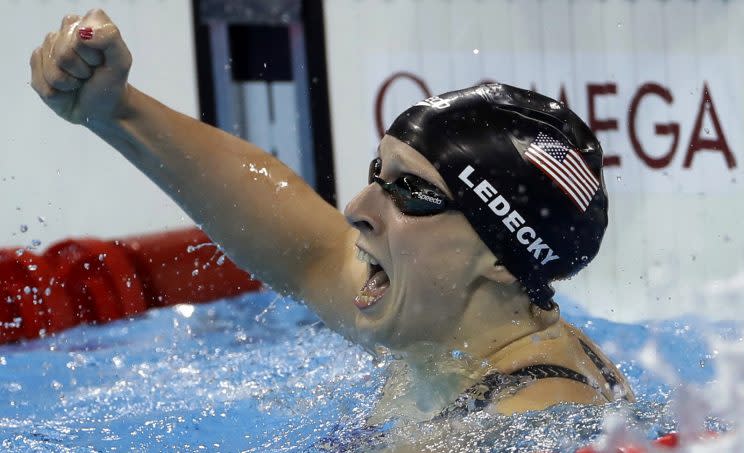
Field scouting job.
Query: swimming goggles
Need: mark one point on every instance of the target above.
(412, 195)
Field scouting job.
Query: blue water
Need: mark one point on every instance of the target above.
(261, 373)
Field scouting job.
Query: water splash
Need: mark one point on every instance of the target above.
(260, 373)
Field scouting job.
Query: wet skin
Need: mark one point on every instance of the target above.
(444, 289)
(433, 262)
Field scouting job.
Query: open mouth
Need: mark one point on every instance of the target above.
(375, 286)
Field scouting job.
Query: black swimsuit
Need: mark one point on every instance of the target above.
(479, 395)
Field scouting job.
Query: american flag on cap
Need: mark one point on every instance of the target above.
(565, 167)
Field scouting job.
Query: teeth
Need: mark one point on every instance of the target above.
(366, 257)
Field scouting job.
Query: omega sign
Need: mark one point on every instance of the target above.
(690, 143)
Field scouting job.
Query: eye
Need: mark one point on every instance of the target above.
(375, 167)
(416, 184)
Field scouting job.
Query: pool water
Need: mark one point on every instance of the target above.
(261, 373)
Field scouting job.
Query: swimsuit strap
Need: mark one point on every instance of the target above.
(478, 396)
(606, 372)
(551, 371)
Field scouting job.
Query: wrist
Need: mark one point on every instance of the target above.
(124, 110)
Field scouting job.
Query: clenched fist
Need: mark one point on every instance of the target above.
(80, 71)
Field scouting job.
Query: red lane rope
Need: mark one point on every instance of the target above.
(94, 281)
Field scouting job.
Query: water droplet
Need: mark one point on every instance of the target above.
(619, 178)
(32, 267)
(27, 290)
(190, 249)
(86, 266)
(221, 260)
(36, 243)
(195, 273)
(117, 361)
(476, 51)
(707, 130)
(24, 228)
(619, 25)
(101, 257)
(48, 291)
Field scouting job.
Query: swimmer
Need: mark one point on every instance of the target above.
(477, 201)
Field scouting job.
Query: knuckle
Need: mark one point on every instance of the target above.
(68, 19)
(112, 31)
(35, 55)
(60, 83)
(47, 92)
(52, 75)
(95, 12)
(65, 59)
(43, 90)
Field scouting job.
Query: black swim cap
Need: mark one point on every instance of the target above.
(526, 172)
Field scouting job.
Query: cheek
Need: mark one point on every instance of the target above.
(441, 255)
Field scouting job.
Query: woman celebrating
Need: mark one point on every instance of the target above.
(478, 200)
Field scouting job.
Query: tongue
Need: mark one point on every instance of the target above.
(373, 290)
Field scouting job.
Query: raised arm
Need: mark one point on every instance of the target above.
(264, 216)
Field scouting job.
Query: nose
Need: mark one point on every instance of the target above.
(363, 211)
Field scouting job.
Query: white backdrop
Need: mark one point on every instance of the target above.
(636, 70)
(63, 174)
(673, 245)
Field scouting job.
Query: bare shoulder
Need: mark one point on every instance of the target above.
(543, 393)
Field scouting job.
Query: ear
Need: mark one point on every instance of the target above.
(545, 317)
(491, 269)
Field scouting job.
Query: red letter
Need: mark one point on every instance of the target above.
(597, 125)
(661, 129)
(698, 143)
(383, 89)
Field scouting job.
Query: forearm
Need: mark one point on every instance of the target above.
(243, 197)
(179, 153)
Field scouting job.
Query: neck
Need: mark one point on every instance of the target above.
(498, 321)
(496, 318)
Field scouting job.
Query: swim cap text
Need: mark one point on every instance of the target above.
(511, 218)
